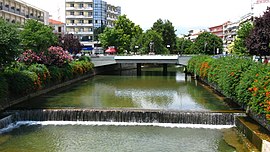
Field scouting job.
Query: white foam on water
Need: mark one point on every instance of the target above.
(94, 123)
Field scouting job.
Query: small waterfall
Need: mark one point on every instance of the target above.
(139, 116)
(5, 122)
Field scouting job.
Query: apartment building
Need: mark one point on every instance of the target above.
(218, 30)
(16, 11)
(58, 27)
(83, 16)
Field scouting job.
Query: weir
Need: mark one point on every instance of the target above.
(123, 115)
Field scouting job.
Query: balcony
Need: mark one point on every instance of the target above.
(85, 33)
(79, 24)
(81, 33)
(79, 8)
(78, 17)
(79, 1)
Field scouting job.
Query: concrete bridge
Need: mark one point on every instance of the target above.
(153, 59)
(142, 59)
(157, 59)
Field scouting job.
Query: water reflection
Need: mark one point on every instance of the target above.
(149, 91)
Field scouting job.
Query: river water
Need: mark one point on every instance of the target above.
(152, 90)
(149, 91)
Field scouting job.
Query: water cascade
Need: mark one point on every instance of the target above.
(6, 121)
(126, 115)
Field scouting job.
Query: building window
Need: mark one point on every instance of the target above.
(81, 13)
(59, 29)
(90, 21)
(72, 21)
(71, 13)
(72, 5)
(81, 30)
(81, 5)
(90, 5)
(81, 21)
(90, 29)
(90, 14)
(96, 21)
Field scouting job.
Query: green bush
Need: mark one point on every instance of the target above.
(247, 79)
(67, 73)
(237, 77)
(199, 65)
(85, 58)
(22, 82)
(56, 74)
(226, 73)
(3, 89)
(81, 67)
(42, 73)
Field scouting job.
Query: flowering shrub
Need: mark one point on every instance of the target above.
(42, 73)
(53, 56)
(22, 82)
(29, 57)
(240, 78)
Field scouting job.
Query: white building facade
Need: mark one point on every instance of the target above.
(16, 11)
(83, 16)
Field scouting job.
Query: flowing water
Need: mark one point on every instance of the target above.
(84, 138)
(149, 91)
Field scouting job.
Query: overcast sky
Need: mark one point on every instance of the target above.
(184, 14)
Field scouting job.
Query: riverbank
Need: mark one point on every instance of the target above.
(96, 70)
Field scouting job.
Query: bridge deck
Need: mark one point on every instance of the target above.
(147, 59)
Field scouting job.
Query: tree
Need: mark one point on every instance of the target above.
(207, 43)
(98, 31)
(166, 29)
(121, 35)
(258, 40)
(183, 45)
(9, 42)
(157, 41)
(239, 46)
(37, 36)
(70, 43)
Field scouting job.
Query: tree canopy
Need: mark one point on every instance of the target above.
(70, 43)
(183, 45)
(258, 40)
(9, 42)
(121, 35)
(239, 46)
(37, 36)
(167, 31)
(207, 43)
(152, 36)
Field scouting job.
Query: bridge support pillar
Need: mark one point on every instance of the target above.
(165, 69)
(139, 69)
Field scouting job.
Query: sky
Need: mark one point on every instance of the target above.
(184, 14)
